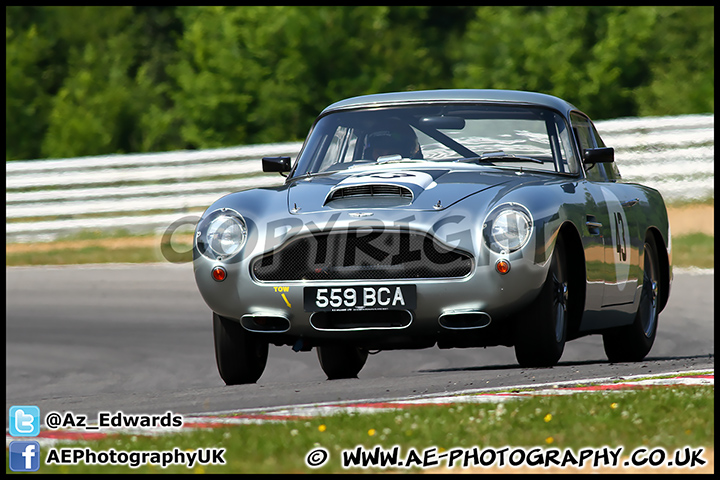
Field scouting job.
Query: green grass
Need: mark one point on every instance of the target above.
(689, 202)
(694, 250)
(87, 255)
(99, 247)
(667, 417)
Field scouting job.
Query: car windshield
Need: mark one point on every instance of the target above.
(531, 138)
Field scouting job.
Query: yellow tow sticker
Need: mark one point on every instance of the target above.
(281, 290)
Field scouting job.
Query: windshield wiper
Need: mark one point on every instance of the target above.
(396, 159)
(385, 160)
(499, 156)
(306, 176)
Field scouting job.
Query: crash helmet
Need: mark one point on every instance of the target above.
(392, 137)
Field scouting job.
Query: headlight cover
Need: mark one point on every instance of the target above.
(221, 234)
(508, 228)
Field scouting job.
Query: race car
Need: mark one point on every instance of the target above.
(449, 218)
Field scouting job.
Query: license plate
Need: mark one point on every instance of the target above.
(327, 299)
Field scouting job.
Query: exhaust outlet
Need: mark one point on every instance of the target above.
(464, 320)
(265, 323)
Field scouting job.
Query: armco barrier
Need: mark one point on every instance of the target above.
(46, 199)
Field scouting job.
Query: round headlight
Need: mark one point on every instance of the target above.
(221, 234)
(508, 229)
(226, 235)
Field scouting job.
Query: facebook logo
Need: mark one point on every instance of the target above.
(24, 456)
(24, 421)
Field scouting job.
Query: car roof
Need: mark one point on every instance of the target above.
(454, 95)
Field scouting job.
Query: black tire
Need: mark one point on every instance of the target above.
(633, 342)
(541, 329)
(240, 355)
(343, 361)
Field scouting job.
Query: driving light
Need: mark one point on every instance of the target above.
(507, 228)
(222, 234)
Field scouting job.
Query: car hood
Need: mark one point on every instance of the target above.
(419, 188)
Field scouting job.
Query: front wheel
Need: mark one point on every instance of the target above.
(633, 342)
(541, 329)
(341, 361)
(240, 355)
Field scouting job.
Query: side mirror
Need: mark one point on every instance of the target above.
(599, 155)
(276, 164)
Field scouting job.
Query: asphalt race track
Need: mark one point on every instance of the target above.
(138, 339)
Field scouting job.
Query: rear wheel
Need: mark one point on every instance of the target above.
(241, 356)
(341, 361)
(633, 342)
(542, 328)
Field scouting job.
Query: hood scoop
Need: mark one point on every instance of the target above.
(379, 190)
(429, 189)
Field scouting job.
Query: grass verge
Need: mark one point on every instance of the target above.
(694, 250)
(667, 417)
(96, 248)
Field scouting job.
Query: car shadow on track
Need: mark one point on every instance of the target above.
(565, 364)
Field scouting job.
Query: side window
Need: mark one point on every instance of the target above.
(340, 149)
(562, 137)
(585, 133)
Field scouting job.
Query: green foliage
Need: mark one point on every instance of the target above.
(28, 90)
(90, 80)
(682, 77)
(594, 57)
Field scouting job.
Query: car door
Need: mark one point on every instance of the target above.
(622, 245)
(607, 218)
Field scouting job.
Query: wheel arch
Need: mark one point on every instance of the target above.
(664, 262)
(576, 274)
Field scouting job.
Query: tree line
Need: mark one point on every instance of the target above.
(90, 80)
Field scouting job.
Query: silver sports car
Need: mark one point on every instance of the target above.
(456, 218)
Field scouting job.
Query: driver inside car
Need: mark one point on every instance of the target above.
(392, 138)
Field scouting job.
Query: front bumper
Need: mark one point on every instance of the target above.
(483, 298)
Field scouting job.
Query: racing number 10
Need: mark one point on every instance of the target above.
(620, 240)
